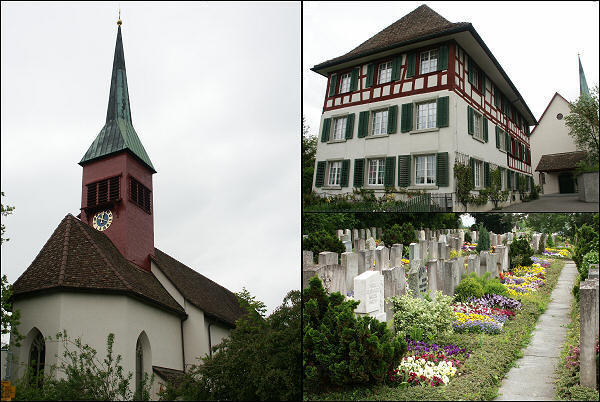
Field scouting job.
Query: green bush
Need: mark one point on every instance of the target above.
(468, 287)
(483, 240)
(430, 317)
(590, 258)
(586, 240)
(494, 287)
(340, 348)
(404, 234)
(468, 238)
(520, 253)
(549, 241)
(322, 241)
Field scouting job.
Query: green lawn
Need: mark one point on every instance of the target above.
(492, 356)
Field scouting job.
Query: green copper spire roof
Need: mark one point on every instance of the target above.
(118, 133)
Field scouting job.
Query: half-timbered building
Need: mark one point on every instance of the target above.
(407, 104)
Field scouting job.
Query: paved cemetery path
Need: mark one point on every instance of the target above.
(533, 376)
(554, 203)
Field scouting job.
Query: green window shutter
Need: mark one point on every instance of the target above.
(354, 79)
(485, 129)
(470, 119)
(496, 97)
(442, 58)
(332, 83)
(483, 84)
(508, 179)
(392, 119)
(359, 172)
(411, 64)
(350, 126)
(320, 176)
(370, 73)
(441, 169)
(396, 64)
(529, 156)
(498, 133)
(472, 166)
(345, 173)
(406, 118)
(390, 170)
(507, 142)
(363, 124)
(443, 111)
(403, 170)
(325, 130)
(470, 70)
(486, 177)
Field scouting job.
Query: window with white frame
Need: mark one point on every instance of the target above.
(426, 115)
(429, 61)
(502, 138)
(477, 172)
(339, 128)
(477, 126)
(379, 123)
(425, 169)
(376, 172)
(502, 179)
(475, 77)
(335, 173)
(345, 83)
(385, 72)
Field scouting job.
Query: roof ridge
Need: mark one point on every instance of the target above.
(108, 263)
(61, 274)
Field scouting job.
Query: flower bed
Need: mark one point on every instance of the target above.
(469, 247)
(498, 301)
(556, 252)
(524, 280)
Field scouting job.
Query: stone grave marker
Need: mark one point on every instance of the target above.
(350, 264)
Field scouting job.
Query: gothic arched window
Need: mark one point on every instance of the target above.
(37, 356)
(139, 364)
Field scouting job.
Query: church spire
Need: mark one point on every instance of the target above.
(118, 133)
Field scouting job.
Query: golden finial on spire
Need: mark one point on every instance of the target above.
(119, 22)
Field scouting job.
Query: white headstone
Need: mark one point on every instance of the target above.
(368, 289)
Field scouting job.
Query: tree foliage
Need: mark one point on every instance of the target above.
(583, 125)
(496, 222)
(565, 224)
(84, 376)
(483, 239)
(464, 183)
(401, 234)
(494, 193)
(520, 253)
(340, 348)
(4, 211)
(322, 241)
(260, 360)
(586, 241)
(309, 150)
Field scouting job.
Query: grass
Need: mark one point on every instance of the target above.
(491, 358)
(567, 385)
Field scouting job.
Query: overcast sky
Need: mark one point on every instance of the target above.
(536, 43)
(215, 100)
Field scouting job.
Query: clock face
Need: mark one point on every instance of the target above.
(102, 220)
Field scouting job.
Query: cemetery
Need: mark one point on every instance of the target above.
(464, 302)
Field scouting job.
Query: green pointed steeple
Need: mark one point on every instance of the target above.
(118, 133)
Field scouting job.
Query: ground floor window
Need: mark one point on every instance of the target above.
(335, 172)
(543, 178)
(477, 173)
(37, 357)
(376, 172)
(425, 169)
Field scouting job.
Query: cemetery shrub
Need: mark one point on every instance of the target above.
(259, 360)
(322, 241)
(340, 348)
(586, 241)
(483, 240)
(494, 287)
(549, 241)
(520, 253)
(429, 317)
(468, 238)
(590, 258)
(404, 234)
(467, 288)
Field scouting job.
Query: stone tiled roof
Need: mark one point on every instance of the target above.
(418, 24)
(561, 161)
(209, 296)
(78, 258)
(172, 376)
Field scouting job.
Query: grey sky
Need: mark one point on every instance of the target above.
(215, 99)
(536, 43)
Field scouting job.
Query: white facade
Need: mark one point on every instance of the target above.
(551, 136)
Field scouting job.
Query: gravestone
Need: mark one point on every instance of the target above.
(483, 260)
(493, 239)
(350, 264)
(447, 287)
(369, 290)
(502, 258)
(432, 274)
(593, 271)
(340, 234)
(328, 258)
(347, 245)
(382, 258)
(368, 233)
(423, 250)
(394, 284)
(588, 307)
(370, 244)
(414, 278)
(354, 234)
(458, 269)
(332, 276)
(396, 255)
(492, 265)
(374, 232)
(307, 258)
(380, 233)
(433, 249)
(413, 252)
(421, 235)
(472, 263)
(442, 250)
(362, 234)
(347, 236)
(364, 261)
(461, 237)
(474, 236)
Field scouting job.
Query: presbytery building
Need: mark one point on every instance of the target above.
(100, 272)
(407, 104)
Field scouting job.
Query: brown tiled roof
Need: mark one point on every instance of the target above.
(420, 23)
(209, 296)
(562, 161)
(78, 258)
(172, 376)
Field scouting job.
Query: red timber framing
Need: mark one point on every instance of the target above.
(454, 79)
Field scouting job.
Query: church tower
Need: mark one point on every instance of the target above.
(116, 196)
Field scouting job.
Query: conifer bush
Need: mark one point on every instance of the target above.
(340, 348)
(322, 241)
(586, 241)
(483, 239)
(549, 241)
(520, 253)
(404, 234)
(468, 288)
(468, 238)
